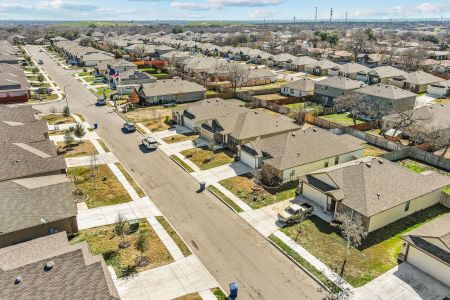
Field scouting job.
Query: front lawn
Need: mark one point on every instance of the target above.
(104, 90)
(108, 189)
(155, 118)
(192, 296)
(206, 159)
(377, 255)
(372, 150)
(342, 119)
(181, 138)
(56, 119)
(244, 188)
(102, 240)
(78, 148)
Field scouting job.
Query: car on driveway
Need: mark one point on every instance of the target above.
(170, 104)
(149, 143)
(294, 213)
(129, 127)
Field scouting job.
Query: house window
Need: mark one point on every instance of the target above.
(336, 160)
(407, 205)
(326, 164)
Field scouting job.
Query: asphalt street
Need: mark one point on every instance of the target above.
(226, 244)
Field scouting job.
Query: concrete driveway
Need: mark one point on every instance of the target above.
(223, 172)
(402, 282)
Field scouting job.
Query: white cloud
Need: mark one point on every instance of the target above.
(216, 4)
(264, 13)
(420, 10)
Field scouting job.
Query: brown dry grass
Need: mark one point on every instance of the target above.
(107, 192)
(205, 159)
(273, 97)
(56, 119)
(193, 296)
(78, 148)
(102, 240)
(130, 179)
(153, 118)
(180, 138)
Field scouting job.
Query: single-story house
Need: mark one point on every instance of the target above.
(384, 74)
(326, 91)
(377, 190)
(389, 98)
(351, 70)
(416, 82)
(298, 63)
(36, 206)
(298, 88)
(52, 268)
(428, 248)
(93, 59)
(290, 155)
(260, 76)
(168, 90)
(439, 89)
(320, 68)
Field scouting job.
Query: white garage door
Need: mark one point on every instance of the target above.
(189, 123)
(314, 195)
(247, 159)
(429, 265)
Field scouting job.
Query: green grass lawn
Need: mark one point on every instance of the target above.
(174, 235)
(102, 240)
(181, 138)
(84, 74)
(224, 198)
(342, 119)
(295, 106)
(102, 143)
(182, 163)
(378, 253)
(104, 90)
(205, 159)
(219, 294)
(89, 78)
(107, 189)
(241, 186)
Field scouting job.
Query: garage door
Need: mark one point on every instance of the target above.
(314, 195)
(189, 123)
(429, 265)
(247, 159)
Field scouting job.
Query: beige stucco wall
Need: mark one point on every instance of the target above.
(314, 166)
(398, 212)
(315, 195)
(69, 225)
(429, 264)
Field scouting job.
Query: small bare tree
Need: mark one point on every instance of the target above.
(359, 106)
(352, 229)
(141, 245)
(440, 140)
(302, 216)
(236, 74)
(408, 119)
(121, 229)
(299, 116)
(357, 43)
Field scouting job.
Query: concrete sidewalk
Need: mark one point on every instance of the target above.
(121, 177)
(80, 161)
(182, 277)
(220, 173)
(90, 135)
(105, 215)
(230, 195)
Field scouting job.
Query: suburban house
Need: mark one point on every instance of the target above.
(326, 91)
(125, 82)
(428, 248)
(51, 268)
(260, 76)
(388, 98)
(22, 132)
(320, 68)
(351, 70)
(93, 59)
(115, 67)
(375, 189)
(245, 126)
(288, 156)
(33, 207)
(427, 122)
(298, 63)
(439, 89)
(167, 91)
(298, 88)
(195, 114)
(383, 74)
(416, 82)
(14, 87)
(175, 56)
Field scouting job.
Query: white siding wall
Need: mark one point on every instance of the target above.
(437, 91)
(398, 212)
(294, 92)
(314, 166)
(429, 265)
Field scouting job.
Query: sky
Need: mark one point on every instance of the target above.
(149, 10)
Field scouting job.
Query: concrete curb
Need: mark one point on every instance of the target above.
(220, 198)
(170, 156)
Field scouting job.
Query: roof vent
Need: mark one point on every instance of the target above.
(298, 153)
(368, 164)
(293, 134)
(314, 129)
(378, 195)
(380, 161)
(49, 265)
(43, 221)
(18, 280)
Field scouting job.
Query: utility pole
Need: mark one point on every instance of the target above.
(294, 19)
(346, 17)
(315, 18)
(331, 14)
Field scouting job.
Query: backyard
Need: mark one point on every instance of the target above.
(106, 189)
(206, 159)
(420, 167)
(244, 188)
(77, 148)
(181, 138)
(57, 119)
(342, 119)
(103, 240)
(372, 150)
(378, 253)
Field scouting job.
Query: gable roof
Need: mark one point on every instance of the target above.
(14, 131)
(438, 228)
(341, 83)
(303, 84)
(26, 202)
(353, 68)
(372, 185)
(301, 147)
(386, 91)
(170, 87)
(386, 72)
(421, 77)
(76, 273)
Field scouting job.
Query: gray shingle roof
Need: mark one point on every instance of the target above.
(438, 228)
(341, 83)
(76, 273)
(13, 131)
(170, 87)
(386, 91)
(303, 84)
(386, 72)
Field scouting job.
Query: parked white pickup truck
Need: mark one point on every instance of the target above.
(294, 213)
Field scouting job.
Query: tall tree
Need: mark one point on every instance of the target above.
(357, 43)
